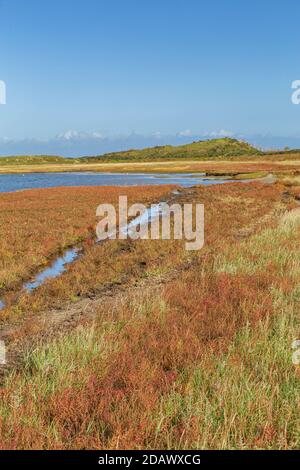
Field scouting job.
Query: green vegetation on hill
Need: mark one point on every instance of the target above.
(33, 160)
(215, 148)
(203, 150)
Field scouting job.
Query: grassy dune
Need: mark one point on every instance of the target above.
(220, 148)
(33, 160)
(192, 350)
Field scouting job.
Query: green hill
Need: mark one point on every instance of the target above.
(33, 160)
(202, 150)
(215, 148)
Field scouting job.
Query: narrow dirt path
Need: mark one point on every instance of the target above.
(54, 323)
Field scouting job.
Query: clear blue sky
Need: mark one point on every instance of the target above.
(112, 67)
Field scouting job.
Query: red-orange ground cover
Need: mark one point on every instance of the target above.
(140, 384)
(37, 224)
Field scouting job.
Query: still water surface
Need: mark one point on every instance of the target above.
(11, 183)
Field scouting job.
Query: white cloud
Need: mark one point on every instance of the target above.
(157, 135)
(71, 135)
(97, 135)
(186, 133)
(68, 135)
(221, 133)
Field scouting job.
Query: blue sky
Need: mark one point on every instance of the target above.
(97, 75)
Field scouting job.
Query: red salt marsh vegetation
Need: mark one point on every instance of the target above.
(37, 224)
(144, 345)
